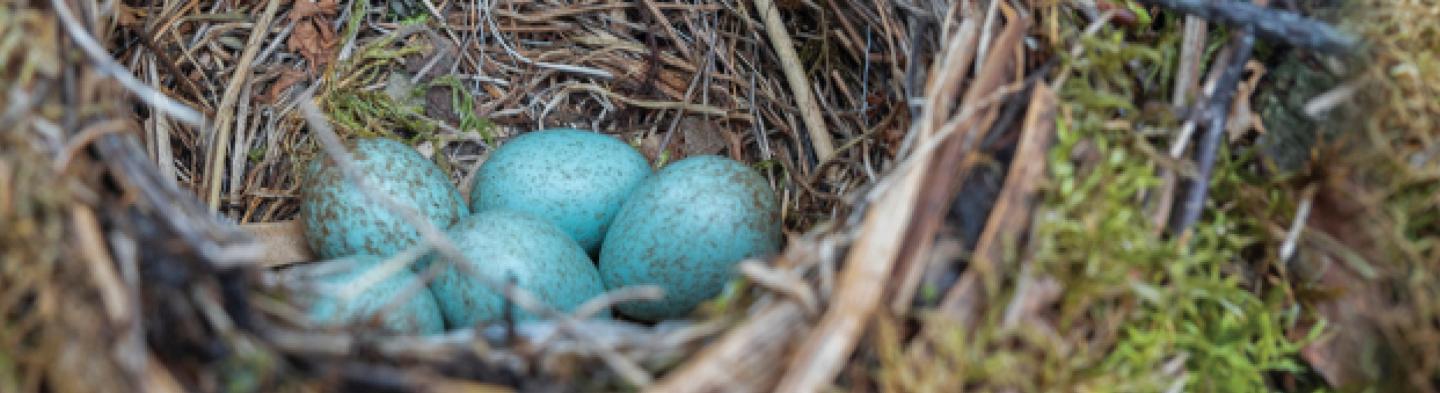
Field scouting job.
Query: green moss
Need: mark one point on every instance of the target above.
(1137, 310)
(462, 105)
(1167, 300)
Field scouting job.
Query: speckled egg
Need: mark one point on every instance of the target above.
(503, 244)
(342, 220)
(684, 230)
(575, 179)
(415, 314)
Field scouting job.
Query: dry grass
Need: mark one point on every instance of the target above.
(675, 78)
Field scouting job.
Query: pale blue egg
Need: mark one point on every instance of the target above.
(504, 245)
(575, 179)
(685, 229)
(372, 307)
(341, 220)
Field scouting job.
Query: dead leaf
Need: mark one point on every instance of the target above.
(308, 8)
(650, 147)
(287, 78)
(1342, 357)
(701, 137)
(1243, 119)
(315, 40)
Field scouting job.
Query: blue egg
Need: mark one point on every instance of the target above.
(342, 220)
(575, 179)
(504, 245)
(416, 314)
(684, 230)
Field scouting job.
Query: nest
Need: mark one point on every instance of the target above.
(957, 197)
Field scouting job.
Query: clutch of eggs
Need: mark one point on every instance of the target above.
(540, 208)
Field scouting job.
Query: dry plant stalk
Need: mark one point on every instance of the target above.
(799, 84)
(959, 55)
(1010, 218)
(1011, 215)
(958, 155)
(223, 119)
(746, 359)
(889, 225)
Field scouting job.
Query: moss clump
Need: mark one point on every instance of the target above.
(1129, 308)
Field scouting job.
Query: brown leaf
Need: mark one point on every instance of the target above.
(307, 8)
(315, 40)
(701, 137)
(288, 78)
(1243, 119)
(1342, 357)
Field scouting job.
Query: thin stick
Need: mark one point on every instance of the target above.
(226, 109)
(1198, 188)
(1164, 196)
(820, 139)
(1302, 215)
(745, 359)
(1192, 47)
(861, 286)
(107, 65)
(1013, 207)
(882, 237)
(1268, 23)
(91, 244)
(664, 23)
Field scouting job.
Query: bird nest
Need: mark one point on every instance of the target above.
(984, 195)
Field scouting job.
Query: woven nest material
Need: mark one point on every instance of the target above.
(956, 182)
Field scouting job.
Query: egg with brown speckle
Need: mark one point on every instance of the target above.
(340, 219)
(574, 179)
(684, 229)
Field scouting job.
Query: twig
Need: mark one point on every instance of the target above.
(226, 110)
(649, 104)
(1268, 23)
(861, 286)
(1302, 215)
(147, 39)
(107, 65)
(219, 244)
(1323, 103)
(1011, 214)
(1163, 199)
(96, 255)
(1216, 115)
(745, 359)
(820, 139)
(160, 135)
(689, 92)
(85, 137)
(782, 282)
(609, 299)
(495, 28)
(887, 227)
(1191, 48)
(957, 155)
(660, 19)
